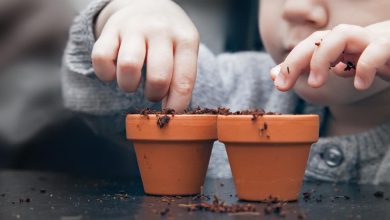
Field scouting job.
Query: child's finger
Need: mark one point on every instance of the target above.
(130, 61)
(373, 57)
(159, 67)
(296, 62)
(348, 38)
(104, 55)
(341, 69)
(184, 74)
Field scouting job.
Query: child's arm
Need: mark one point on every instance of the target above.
(366, 48)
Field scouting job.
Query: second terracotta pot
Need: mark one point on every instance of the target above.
(172, 159)
(268, 155)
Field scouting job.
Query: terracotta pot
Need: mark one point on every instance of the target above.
(268, 155)
(173, 160)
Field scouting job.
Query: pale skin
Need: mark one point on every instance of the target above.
(159, 34)
(358, 31)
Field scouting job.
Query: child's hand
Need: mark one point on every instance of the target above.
(347, 50)
(155, 32)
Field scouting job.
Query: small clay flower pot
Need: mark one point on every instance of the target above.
(172, 154)
(268, 154)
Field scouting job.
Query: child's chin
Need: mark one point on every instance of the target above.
(323, 96)
(313, 98)
(337, 91)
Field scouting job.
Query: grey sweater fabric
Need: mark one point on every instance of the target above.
(237, 81)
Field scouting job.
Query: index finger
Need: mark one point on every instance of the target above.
(297, 61)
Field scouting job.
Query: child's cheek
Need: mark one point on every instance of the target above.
(305, 92)
(270, 37)
(331, 93)
(272, 48)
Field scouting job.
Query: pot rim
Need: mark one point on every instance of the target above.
(268, 117)
(179, 128)
(178, 116)
(268, 128)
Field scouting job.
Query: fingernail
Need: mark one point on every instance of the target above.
(359, 83)
(312, 79)
(280, 81)
(275, 72)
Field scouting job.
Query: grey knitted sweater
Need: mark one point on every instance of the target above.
(237, 81)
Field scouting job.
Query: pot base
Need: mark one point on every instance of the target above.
(173, 167)
(267, 170)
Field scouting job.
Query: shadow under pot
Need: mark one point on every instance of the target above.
(173, 151)
(268, 154)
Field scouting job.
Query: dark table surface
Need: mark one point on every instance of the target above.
(42, 195)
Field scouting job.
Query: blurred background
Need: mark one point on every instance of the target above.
(36, 132)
